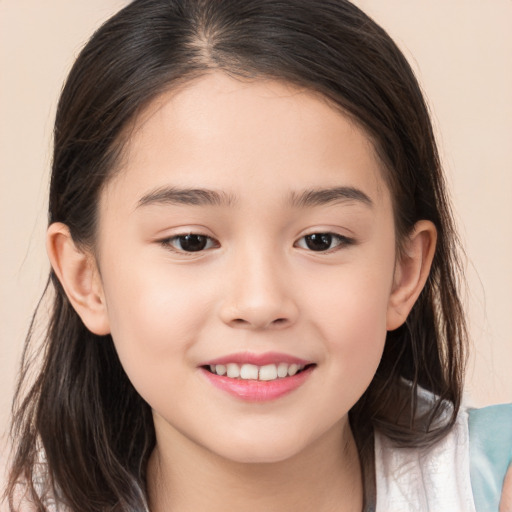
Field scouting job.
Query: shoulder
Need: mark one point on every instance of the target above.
(463, 471)
(21, 500)
(491, 426)
(425, 479)
(490, 447)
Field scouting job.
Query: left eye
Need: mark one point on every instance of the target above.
(321, 242)
(190, 243)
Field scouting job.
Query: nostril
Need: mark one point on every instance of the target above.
(243, 323)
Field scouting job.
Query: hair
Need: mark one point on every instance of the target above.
(81, 418)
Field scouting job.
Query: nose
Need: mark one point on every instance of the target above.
(258, 294)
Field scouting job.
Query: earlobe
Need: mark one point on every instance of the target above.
(78, 274)
(411, 272)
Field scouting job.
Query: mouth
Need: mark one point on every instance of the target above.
(261, 382)
(265, 373)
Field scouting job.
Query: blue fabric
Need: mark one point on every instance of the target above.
(490, 449)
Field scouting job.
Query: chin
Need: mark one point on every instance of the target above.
(262, 450)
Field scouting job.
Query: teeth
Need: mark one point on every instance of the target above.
(253, 372)
(233, 370)
(293, 369)
(282, 370)
(249, 371)
(220, 369)
(268, 372)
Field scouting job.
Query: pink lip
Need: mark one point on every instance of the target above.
(256, 390)
(257, 359)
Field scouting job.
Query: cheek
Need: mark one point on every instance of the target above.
(154, 319)
(352, 317)
(354, 327)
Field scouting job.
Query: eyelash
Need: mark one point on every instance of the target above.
(168, 242)
(341, 241)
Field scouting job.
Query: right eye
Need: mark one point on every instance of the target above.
(190, 242)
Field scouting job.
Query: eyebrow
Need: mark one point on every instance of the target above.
(324, 196)
(187, 196)
(297, 199)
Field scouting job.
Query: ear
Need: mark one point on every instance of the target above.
(411, 272)
(78, 273)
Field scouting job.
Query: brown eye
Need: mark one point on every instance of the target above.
(190, 242)
(321, 242)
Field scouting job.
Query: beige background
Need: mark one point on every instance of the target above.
(462, 51)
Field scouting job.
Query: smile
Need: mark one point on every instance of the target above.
(257, 378)
(267, 372)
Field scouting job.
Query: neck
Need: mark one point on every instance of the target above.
(326, 477)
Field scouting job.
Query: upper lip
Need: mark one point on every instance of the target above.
(257, 359)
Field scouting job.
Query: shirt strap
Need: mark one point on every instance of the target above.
(490, 449)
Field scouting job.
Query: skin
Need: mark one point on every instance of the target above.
(256, 287)
(506, 496)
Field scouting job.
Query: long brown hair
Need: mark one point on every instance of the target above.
(81, 420)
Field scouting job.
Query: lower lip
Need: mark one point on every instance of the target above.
(258, 390)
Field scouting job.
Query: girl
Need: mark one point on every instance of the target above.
(254, 277)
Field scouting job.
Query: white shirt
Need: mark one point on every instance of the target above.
(432, 479)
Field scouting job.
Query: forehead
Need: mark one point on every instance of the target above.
(244, 137)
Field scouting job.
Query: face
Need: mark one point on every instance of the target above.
(249, 230)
